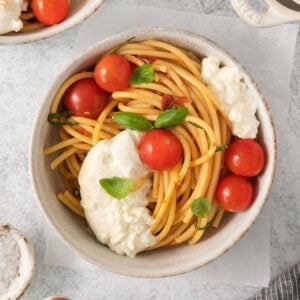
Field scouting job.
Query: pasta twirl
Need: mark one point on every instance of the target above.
(176, 74)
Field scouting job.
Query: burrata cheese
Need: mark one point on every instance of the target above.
(123, 225)
(233, 94)
(10, 12)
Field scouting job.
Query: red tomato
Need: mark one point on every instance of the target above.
(160, 149)
(171, 101)
(132, 67)
(84, 131)
(245, 157)
(84, 98)
(112, 73)
(234, 193)
(50, 12)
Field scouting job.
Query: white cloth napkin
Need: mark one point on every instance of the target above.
(268, 55)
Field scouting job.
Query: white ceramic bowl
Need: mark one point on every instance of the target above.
(162, 262)
(78, 12)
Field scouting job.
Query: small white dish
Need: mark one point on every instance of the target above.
(16, 262)
(161, 262)
(278, 12)
(79, 10)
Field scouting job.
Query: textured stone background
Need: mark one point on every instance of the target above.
(20, 93)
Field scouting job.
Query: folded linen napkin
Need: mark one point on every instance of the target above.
(285, 287)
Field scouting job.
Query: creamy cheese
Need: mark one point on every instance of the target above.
(10, 12)
(123, 225)
(234, 96)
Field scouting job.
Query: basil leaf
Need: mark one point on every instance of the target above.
(117, 187)
(171, 117)
(221, 148)
(196, 125)
(61, 118)
(115, 49)
(201, 207)
(142, 74)
(132, 121)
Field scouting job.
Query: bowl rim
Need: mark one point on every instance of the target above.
(91, 49)
(49, 31)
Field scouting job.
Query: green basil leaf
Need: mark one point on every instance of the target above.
(221, 148)
(142, 74)
(117, 187)
(116, 49)
(196, 125)
(171, 117)
(61, 118)
(132, 121)
(201, 207)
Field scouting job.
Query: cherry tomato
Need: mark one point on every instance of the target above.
(84, 131)
(160, 149)
(84, 98)
(245, 157)
(234, 193)
(112, 73)
(50, 12)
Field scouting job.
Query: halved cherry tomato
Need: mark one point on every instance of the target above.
(112, 73)
(245, 157)
(160, 149)
(234, 193)
(85, 98)
(50, 12)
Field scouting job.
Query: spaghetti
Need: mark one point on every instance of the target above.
(30, 23)
(178, 74)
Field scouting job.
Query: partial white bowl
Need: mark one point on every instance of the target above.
(79, 10)
(161, 262)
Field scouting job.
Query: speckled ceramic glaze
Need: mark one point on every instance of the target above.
(162, 262)
(79, 10)
(25, 263)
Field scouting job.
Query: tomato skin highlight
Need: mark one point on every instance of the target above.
(234, 193)
(112, 73)
(50, 12)
(160, 149)
(85, 98)
(245, 157)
